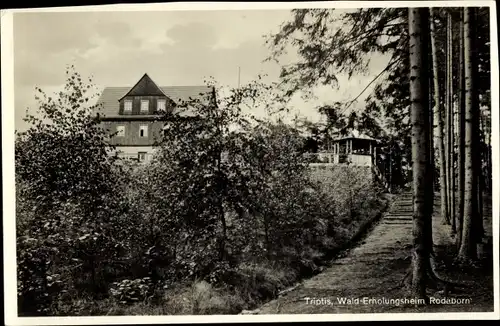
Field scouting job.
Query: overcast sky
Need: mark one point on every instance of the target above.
(174, 48)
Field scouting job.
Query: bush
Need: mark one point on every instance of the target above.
(219, 221)
(128, 291)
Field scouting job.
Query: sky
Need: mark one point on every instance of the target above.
(175, 48)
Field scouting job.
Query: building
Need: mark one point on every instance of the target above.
(133, 115)
(353, 150)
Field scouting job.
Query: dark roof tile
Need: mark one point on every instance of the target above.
(110, 96)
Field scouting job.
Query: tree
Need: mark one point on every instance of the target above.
(193, 147)
(204, 153)
(450, 143)
(438, 118)
(228, 189)
(66, 175)
(468, 250)
(484, 84)
(346, 49)
(331, 42)
(418, 20)
(460, 132)
(271, 153)
(64, 127)
(432, 160)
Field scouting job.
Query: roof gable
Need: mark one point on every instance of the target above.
(145, 86)
(109, 105)
(354, 134)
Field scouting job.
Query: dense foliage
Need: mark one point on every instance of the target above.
(331, 42)
(228, 202)
(67, 211)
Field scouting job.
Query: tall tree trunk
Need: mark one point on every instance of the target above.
(460, 132)
(266, 235)
(468, 249)
(449, 127)
(390, 167)
(487, 156)
(447, 116)
(223, 235)
(418, 20)
(479, 175)
(220, 210)
(489, 163)
(477, 148)
(439, 120)
(480, 226)
(430, 182)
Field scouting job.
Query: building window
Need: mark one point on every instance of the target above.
(143, 131)
(161, 105)
(141, 156)
(120, 131)
(128, 106)
(144, 105)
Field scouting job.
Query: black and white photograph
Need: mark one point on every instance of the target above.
(253, 162)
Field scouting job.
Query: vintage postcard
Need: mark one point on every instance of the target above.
(249, 162)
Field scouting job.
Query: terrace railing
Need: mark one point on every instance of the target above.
(322, 158)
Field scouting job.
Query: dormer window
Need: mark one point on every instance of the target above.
(144, 105)
(161, 105)
(128, 106)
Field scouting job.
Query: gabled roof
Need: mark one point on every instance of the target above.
(355, 134)
(110, 96)
(145, 86)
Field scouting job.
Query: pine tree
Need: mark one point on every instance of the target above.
(449, 123)
(438, 118)
(460, 131)
(418, 20)
(468, 249)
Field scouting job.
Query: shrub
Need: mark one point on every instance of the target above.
(68, 208)
(235, 214)
(127, 291)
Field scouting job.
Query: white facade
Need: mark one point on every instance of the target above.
(334, 158)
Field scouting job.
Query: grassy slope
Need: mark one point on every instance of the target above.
(262, 282)
(377, 266)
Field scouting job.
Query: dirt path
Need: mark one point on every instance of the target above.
(373, 270)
